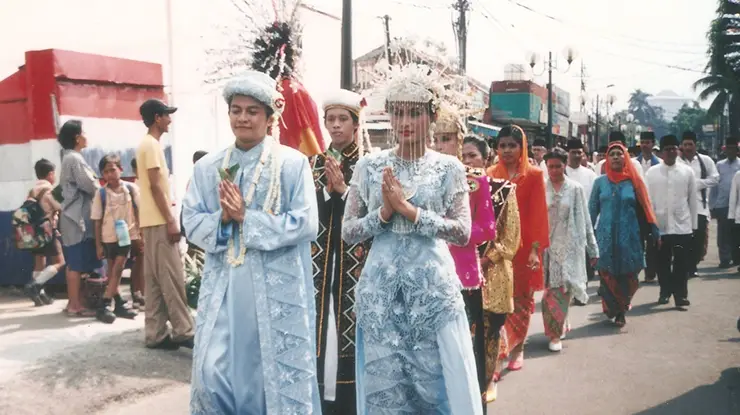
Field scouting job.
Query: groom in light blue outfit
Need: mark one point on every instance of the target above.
(255, 338)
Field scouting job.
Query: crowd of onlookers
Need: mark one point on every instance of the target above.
(101, 229)
(103, 224)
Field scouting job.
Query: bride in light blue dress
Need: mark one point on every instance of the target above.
(414, 353)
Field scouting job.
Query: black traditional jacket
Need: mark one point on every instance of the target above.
(336, 270)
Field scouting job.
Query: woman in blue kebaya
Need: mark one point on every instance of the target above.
(414, 352)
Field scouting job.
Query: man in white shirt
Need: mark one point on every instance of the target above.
(734, 210)
(719, 201)
(575, 169)
(539, 149)
(618, 136)
(585, 177)
(672, 189)
(646, 158)
(598, 157)
(707, 177)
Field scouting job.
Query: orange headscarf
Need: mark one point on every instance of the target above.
(499, 170)
(629, 173)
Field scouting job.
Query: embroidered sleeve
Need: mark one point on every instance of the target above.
(299, 223)
(508, 238)
(203, 227)
(483, 220)
(360, 223)
(455, 226)
(583, 221)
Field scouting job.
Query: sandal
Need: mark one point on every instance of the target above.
(517, 363)
(490, 395)
(82, 313)
(619, 320)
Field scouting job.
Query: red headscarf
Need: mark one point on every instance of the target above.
(629, 173)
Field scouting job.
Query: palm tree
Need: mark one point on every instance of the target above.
(726, 91)
(641, 108)
(723, 78)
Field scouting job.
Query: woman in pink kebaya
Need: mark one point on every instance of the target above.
(448, 135)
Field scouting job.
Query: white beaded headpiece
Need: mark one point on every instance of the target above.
(414, 83)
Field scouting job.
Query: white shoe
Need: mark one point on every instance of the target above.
(566, 330)
(555, 347)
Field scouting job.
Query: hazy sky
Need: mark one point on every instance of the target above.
(628, 43)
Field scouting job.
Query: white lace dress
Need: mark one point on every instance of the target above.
(571, 236)
(414, 352)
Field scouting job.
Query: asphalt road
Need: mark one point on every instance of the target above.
(664, 362)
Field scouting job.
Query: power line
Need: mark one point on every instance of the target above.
(600, 49)
(421, 6)
(486, 13)
(637, 42)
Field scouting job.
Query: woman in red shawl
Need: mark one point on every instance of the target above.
(513, 164)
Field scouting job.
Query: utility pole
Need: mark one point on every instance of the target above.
(387, 24)
(583, 87)
(346, 71)
(549, 101)
(598, 122)
(461, 32)
(589, 136)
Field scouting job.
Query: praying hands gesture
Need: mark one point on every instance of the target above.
(393, 198)
(334, 177)
(232, 203)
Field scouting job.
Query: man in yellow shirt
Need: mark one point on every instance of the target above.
(163, 270)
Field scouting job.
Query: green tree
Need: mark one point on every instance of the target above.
(723, 75)
(649, 117)
(641, 108)
(690, 117)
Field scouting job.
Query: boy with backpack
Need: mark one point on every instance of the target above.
(41, 200)
(115, 213)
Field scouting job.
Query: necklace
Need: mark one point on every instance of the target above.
(272, 199)
(413, 169)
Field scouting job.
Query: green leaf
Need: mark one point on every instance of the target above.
(232, 171)
(229, 174)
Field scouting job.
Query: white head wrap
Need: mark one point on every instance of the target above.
(257, 85)
(354, 103)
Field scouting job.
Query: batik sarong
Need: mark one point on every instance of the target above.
(495, 340)
(617, 292)
(555, 304)
(517, 323)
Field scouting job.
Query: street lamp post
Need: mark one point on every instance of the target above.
(598, 118)
(551, 64)
(631, 129)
